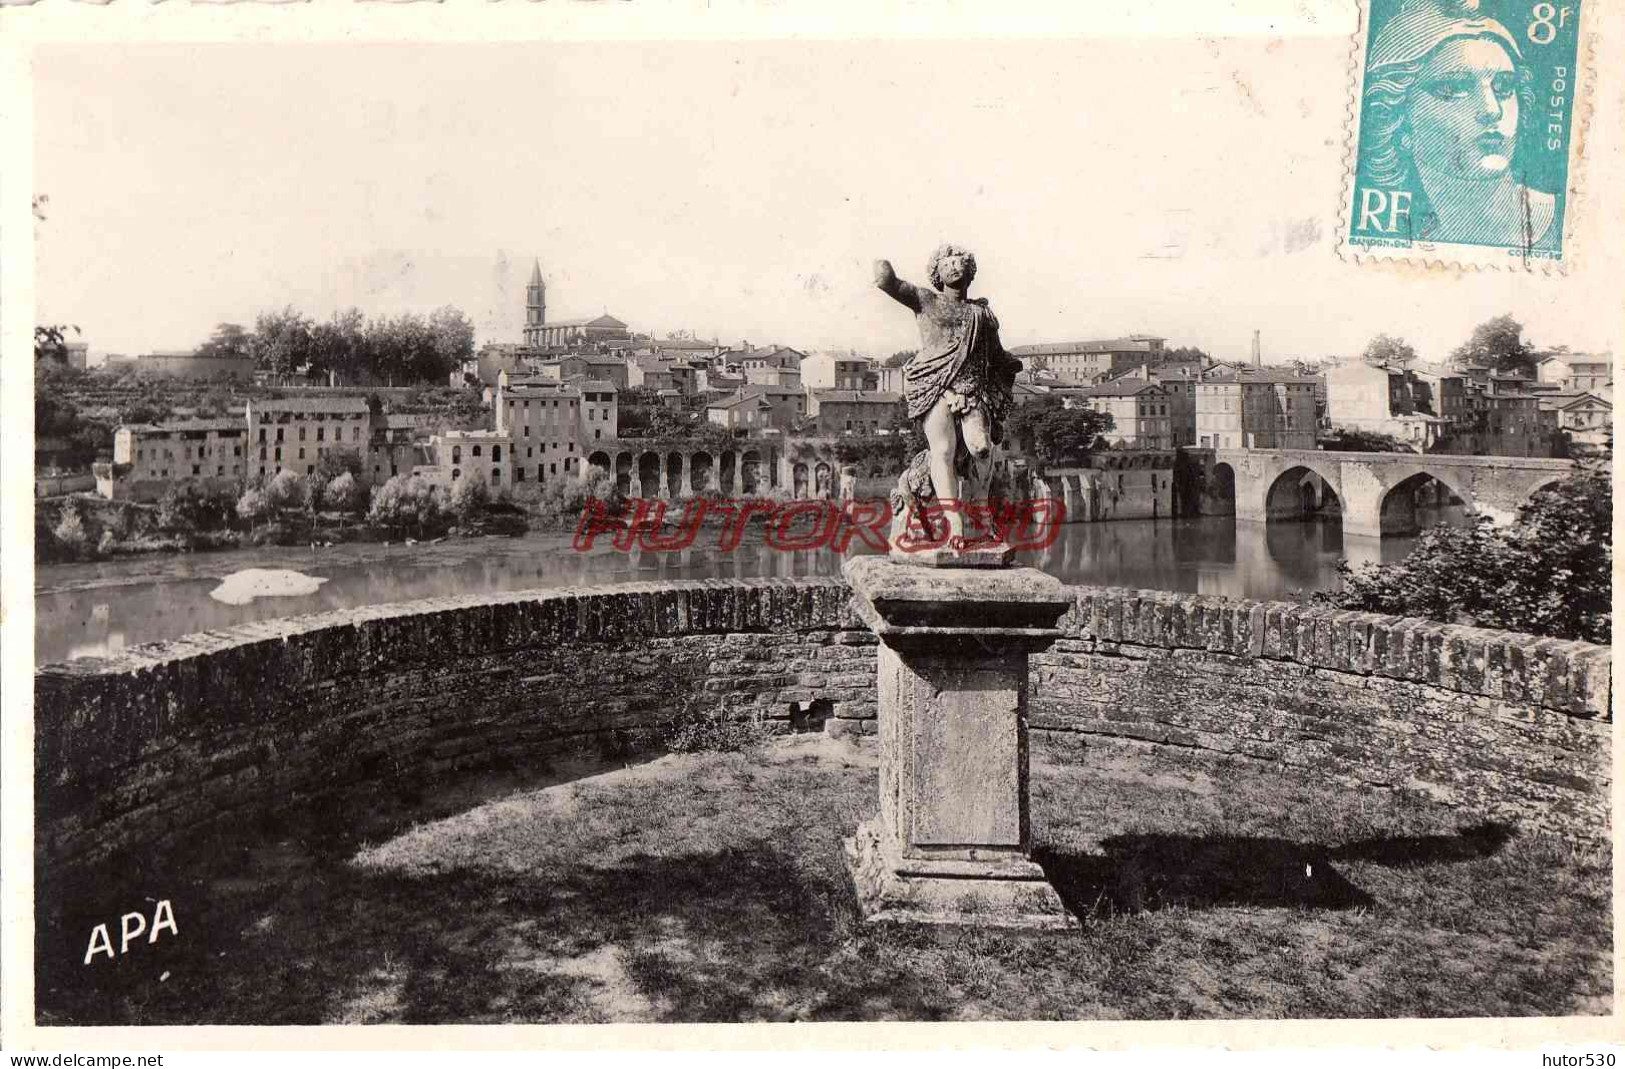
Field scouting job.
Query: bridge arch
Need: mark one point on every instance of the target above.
(1398, 504)
(1302, 492)
(1219, 496)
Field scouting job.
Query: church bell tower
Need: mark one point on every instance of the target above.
(535, 306)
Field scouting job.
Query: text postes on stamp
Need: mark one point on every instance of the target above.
(1465, 116)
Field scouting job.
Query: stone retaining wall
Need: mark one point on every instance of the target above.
(1504, 725)
(161, 741)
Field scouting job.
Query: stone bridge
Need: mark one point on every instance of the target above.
(1376, 492)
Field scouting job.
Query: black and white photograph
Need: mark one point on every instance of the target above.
(559, 519)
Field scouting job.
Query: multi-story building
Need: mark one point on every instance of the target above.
(854, 411)
(649, 371)
(395, 446)
(1588, 418)
(585, 366)
(1088, 362)
(1255, 409)
(766, 356)
(455, 456)
(543, 420)
(600, 413)
(1577, 372)
(293, 434)
(1139, 412)
(150, 458)
(1393, 400)
(787, 377)
(834, 371)
(741, 411)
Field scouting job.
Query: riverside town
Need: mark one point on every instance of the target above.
(757, 532)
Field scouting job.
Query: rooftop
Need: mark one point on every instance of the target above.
(739, 399)
(171, 426)
(1138, 343)
(1261, 377)
(327, 403)
(879, 397)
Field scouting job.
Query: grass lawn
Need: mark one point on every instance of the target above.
(711, 887)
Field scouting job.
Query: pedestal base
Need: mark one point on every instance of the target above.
(1009, 892)
(995, 555)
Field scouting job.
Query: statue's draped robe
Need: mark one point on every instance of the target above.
(959, 355)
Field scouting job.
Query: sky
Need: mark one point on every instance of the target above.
(1182, 187)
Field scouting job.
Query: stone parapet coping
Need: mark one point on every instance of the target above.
(1573, 677)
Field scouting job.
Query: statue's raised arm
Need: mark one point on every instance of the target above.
(902, 292)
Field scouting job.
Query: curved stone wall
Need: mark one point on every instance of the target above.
(160, 741)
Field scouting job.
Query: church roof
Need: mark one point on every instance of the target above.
(591, 321)
(536, 274)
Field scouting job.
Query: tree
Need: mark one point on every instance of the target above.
(228, 339)
(340, 346)
(187, 507)
(51, 342)
(1183, 353)
(469, 499)
(408, 501)
(70, 531)
(1387, 349)
(282, 341)
(1055, 434)
(453, 342)
(679, 335)
(1349, 440)
(284, 491)
(1549, 573)
(1497, 343)
(253, 506)
(336, 462)
(344, 493)
(899, 358)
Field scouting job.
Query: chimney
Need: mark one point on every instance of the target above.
(1258, 351)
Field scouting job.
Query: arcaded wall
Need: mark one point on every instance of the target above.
(151, 745)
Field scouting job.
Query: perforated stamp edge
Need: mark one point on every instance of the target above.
(1441, 258)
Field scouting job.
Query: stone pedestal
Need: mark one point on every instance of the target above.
(951, 844)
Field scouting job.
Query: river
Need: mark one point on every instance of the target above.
(95, 608)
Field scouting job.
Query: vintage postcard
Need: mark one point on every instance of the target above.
(543, 523)
(1469, 118)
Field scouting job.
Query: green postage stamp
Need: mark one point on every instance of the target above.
(1466, 113)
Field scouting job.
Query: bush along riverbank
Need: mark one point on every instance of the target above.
(325, 508)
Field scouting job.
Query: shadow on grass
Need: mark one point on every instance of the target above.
(1149, 872)
(730, 935)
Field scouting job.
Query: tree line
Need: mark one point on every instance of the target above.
(1496, 343)
(386, 350)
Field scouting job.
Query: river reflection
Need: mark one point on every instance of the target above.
(92, 609)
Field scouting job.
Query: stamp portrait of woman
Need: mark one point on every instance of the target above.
(1448, 102)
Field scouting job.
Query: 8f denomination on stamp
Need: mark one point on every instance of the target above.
(1465, 139)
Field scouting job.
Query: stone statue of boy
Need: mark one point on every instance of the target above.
(959, 384)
